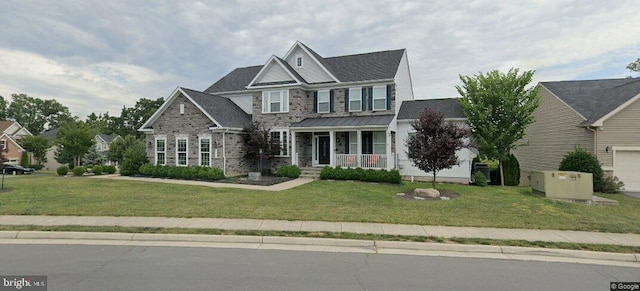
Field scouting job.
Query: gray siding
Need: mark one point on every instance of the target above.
(274, 73)
(310, 71)
(622, 129)
(554, 133)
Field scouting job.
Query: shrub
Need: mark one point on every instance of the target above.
(326, 173)
(146, 170)
(134, 157)
(480, 179)
(79, 171)
(62, 170)
(611, 184)
(110, 169)
(369, 175)
(24, 161)
(37, 167)
(291, 171)
(582, 161)
(97, 170)
(511, 169)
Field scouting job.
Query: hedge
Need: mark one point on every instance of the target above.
(187, 173)
(359, 174)
(291, 171)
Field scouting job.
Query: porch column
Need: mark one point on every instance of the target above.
(388, 149)
(294, 149)
(359, 149)
(332, 146)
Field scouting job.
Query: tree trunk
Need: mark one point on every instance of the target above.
(433, 183)
(501, 173)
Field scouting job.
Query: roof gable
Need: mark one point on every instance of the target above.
(275, 71)
(449, 107)
(314, 68)
(595, 100)
(8, 136)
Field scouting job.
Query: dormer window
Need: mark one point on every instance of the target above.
(299, 61)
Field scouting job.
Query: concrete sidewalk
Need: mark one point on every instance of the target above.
(318, 226)
(277, 187)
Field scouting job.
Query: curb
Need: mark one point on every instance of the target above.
(321, 244)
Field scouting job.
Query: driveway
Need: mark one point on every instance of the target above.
(634, 194)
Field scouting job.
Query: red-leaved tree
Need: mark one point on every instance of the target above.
(433, 146)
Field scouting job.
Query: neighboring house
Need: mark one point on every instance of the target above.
(12, 133)
(452, 111)
(601, 116)
(334, 111)
(103, 141)
(51, 163)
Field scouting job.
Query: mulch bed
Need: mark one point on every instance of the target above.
(264, 181)
(448, 195)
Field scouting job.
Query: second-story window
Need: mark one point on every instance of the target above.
(380, 98)
(275, 101)
(355, 99)
(324, 101)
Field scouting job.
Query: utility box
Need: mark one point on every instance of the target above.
(563, 185)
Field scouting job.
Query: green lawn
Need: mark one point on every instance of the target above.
(509, 207)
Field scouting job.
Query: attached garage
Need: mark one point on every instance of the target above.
(626, 166)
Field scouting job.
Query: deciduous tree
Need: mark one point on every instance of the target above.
(433, 146)
(498, 107)
(634, 66)
(34, 113)
(119, 146)
(258, 143)
(38, 146)
(74, 139)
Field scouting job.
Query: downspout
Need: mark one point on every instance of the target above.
(595, 139)
(224, 153)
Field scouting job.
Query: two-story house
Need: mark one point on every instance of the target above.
(10, 137)
(333, 111)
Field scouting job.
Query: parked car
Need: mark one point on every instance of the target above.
(16, 169)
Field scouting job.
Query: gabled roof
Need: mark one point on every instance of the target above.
(348, 121)
(372, 66)
(108, 138)
(595, 100)
(50, 134)
(224, 111)
(6, 124)
(449, 107)
(12, 141)
(284, 65)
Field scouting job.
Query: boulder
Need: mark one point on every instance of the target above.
(430, 192)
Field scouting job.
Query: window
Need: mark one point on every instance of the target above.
(3, 144)
(282, 136)
(205, 151)
(379, 142)
(299, 61)
(380, 98)
(275, 101)
(353, 142)
(161, 151)
(324, 101)
(355, 99)
(181, 108)
(181, 151)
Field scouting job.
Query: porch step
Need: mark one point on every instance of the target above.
(310, 173)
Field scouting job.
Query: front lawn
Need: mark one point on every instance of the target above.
(508, 207)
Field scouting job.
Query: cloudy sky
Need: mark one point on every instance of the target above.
(97, 56)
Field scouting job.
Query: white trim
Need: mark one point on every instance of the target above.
(373, 100)
(201, 137)
(284, 101)
(155, 149)
(304, 86)
(168, 102)
(303, 47)
(328, 92)
(446, 119)
(338, 128)
(181, 108)
(300, 64)
(13, 141)
(359, 90)
(186, 139)
(264, 69)
(283, 131)
(600, 121)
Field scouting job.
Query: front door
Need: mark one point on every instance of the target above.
(323, 150)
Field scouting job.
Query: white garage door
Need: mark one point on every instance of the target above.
(627, 169)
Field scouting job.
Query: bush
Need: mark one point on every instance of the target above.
(110, 169)
(480, 179)
(291, 171)
(36, 167)
(146, 170)
(511, 169)
(97, 170)
(582, 161)
(62, 170)
(134, 157)
(358, 174)
(175, 172)
(79, 171)
(611, 184)
(24, 161)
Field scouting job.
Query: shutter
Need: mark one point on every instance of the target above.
(265, 107)
(370, 96)
(346, 100)
(364, 99)
(346, 145)
(388, 97)
(331, 101)
(315, 101)
(285, 101)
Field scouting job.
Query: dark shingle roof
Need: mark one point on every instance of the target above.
(594, 99)
(108, 138)
(351, 68)
(50, 134)
(449, 107)
(223, 110)
(345, 121)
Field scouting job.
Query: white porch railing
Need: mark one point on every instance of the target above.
(365, 161)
